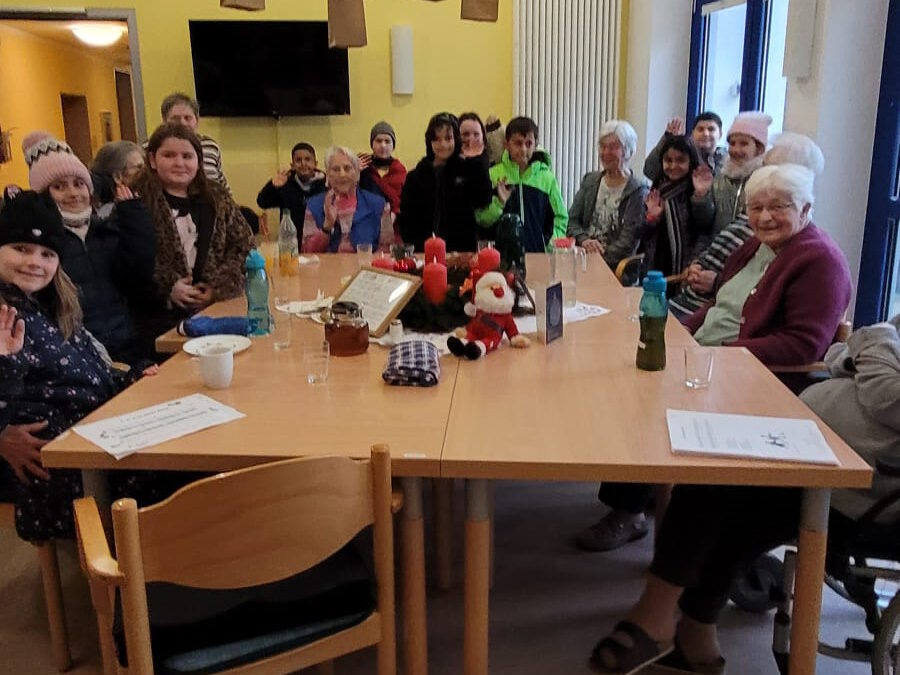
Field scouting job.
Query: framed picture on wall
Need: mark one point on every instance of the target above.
(106, 125)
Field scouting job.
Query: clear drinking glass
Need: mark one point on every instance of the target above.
(315, 358)
(281, 330)
(364, 254)
(698, 367)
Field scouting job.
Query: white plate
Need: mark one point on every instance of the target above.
(197, 346)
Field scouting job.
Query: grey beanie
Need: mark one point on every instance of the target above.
(382, 128)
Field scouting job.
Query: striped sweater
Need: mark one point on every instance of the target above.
(212, 162)
(712, 258)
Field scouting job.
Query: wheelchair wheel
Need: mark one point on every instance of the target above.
(757, 588)
(886, 648)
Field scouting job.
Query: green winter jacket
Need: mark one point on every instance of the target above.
(536, 199)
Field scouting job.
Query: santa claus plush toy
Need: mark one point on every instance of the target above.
(491, 319)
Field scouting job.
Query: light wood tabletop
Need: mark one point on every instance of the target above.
(284, 415)
(585, 412)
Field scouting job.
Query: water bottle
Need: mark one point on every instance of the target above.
(651, 352)
(288, 248)
(257, 289)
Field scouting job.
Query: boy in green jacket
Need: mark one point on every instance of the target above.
(525, 185)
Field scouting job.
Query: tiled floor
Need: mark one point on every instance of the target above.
(549, 604)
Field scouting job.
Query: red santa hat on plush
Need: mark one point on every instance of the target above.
(50, 159)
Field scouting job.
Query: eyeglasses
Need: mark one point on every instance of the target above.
(774, 208)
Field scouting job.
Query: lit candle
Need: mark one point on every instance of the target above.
(434, 282)
(436, 249)
(488, 260)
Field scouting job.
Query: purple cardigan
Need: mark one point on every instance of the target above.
(791, 316)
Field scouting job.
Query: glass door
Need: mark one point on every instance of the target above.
(878, 294)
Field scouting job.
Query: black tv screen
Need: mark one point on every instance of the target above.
(268, 68)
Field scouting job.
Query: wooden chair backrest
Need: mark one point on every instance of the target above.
(251, 526)
(629, 264)
(843, 331)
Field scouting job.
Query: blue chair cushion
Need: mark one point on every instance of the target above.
(199, 631)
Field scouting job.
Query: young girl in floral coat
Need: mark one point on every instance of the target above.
(51, 375)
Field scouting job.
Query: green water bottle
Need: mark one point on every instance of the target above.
(654, 310)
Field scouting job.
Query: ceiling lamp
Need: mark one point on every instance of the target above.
(98, 34)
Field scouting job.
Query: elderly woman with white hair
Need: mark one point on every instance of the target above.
(697, 289)
(781, 295)
(339, 220)
(607, 214)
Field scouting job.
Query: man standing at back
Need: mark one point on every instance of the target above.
(179, 108)
(525, 186)
(706, 134)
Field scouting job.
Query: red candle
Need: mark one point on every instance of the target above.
(436, 249)
(434, 282)
(383, 263)
(488, 259)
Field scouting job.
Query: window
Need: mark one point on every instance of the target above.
(737, 52)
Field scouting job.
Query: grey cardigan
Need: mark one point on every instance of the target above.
(861, 402)
(626, 234)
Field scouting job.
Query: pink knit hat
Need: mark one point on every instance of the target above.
(50, 159)
(754, 124)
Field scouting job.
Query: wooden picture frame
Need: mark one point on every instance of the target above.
(381, 295)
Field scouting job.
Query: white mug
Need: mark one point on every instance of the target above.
(217, 367)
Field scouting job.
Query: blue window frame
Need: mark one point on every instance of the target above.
(878, 292)
(758, 16)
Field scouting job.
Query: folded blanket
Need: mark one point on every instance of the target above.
(197, 326)
(415, 363)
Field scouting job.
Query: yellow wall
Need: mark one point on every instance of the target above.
(459, 65)
(34, 71)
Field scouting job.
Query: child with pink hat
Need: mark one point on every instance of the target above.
(747, 139)
(109, 260)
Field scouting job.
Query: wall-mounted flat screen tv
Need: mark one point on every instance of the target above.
(268, 68)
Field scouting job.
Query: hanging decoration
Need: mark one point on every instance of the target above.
(346, 23)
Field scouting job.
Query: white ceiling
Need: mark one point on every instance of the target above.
(58, 31)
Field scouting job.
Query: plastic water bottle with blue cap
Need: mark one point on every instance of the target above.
(654, 310)
(257, 289)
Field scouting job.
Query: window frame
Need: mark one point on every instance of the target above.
(756, 32)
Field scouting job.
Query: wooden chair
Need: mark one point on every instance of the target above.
(843, 333)
(630, 268)
(241, 529)
(53, 597)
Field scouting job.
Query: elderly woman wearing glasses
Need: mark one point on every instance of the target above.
(781, 295)
(607, 214)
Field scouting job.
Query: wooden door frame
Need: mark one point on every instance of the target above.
(129, 16)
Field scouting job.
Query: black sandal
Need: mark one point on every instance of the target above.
(614, 656)
(676, 663)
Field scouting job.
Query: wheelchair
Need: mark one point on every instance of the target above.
(861, 554)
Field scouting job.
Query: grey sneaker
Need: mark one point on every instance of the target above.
(614, 530)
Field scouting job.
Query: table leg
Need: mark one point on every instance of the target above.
(477, 577)
(809, 580)
(442, 498)
(415, 635)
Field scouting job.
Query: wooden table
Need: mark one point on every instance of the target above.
(577, 409)
(286, 417)
(582, 411)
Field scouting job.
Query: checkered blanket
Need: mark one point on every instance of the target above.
(415, 363)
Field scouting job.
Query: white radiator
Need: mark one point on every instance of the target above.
(566, 77)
